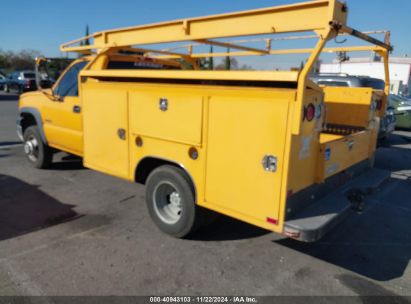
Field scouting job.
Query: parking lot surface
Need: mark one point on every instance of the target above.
(74, 231)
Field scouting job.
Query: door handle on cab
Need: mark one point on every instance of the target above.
(77, 109)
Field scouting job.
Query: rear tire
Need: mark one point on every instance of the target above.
(171, 202)
(38, 153)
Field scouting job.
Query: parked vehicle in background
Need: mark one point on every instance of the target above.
(21, 81)
(2, 81)
(388, 122)
(402, 110)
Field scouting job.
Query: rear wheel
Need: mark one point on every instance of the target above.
(171, 203)
(38, 153)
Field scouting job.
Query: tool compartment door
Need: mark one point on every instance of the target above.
(106, 135)
(241, 132)
(179, 120)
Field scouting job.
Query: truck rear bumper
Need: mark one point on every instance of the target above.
(313, 222)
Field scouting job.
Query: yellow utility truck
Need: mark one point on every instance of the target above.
(270, 148)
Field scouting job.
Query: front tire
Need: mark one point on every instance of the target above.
(171, 202)
(38, 153)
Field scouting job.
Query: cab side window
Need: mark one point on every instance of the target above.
(68, 85)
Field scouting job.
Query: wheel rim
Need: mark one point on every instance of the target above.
(167, 203)
(31, 148)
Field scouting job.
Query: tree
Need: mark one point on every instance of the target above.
(203, 63)
(227, 61)
(87, 40)
(23, 60)
(302, 65)
(211, 60)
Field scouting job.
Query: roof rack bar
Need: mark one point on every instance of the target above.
(232, 46)
(283, 52)
(365, 37)
(145, 50)
(272, 20)
(287, 38)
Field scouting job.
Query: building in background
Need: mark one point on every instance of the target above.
(400, 70)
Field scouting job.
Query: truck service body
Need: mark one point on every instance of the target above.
(270, 148)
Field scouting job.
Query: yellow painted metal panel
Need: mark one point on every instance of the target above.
(180, 122)
(326, 138)
(241, 131)
(305, 146)
(173, 152)
(282, 76)
(337, 154)
(349, 106)
(105, 112)
(63, 127)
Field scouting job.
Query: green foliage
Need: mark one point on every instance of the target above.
(203, 64)
(23, 60)
(302, 65)
(87, 41)
(56, 66)
(185, 65)
(211, 60)
(227, 62)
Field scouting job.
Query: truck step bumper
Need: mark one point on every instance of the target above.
(313, 222)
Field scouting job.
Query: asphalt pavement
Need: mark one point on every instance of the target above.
(8, 115)
(74, 231)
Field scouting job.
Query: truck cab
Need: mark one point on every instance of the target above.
(54, 115)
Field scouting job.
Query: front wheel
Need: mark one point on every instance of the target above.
(38, 153)
(171, 203)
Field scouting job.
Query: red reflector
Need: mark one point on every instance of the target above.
(290, 193)
(310, 112)
(272, 221)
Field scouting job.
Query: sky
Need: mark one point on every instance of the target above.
(43, 25)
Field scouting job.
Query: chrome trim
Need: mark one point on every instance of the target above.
(270, 163)
(163, 104)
